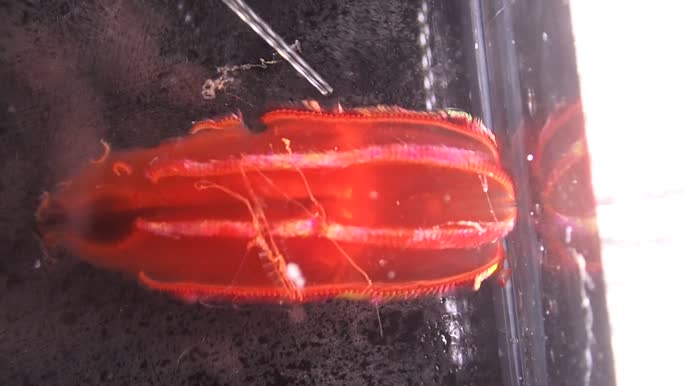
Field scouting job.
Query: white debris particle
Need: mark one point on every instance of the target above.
(295, 274)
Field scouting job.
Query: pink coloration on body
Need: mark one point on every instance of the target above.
(372, 203)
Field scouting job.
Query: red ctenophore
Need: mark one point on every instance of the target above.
(372, 203)
(562, 172)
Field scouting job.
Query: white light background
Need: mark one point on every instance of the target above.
(630, 62)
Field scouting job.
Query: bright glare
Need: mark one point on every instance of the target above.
(631, 61)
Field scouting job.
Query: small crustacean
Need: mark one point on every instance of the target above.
(370, 203)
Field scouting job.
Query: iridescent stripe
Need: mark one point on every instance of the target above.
(438, 237)
(429, 155)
